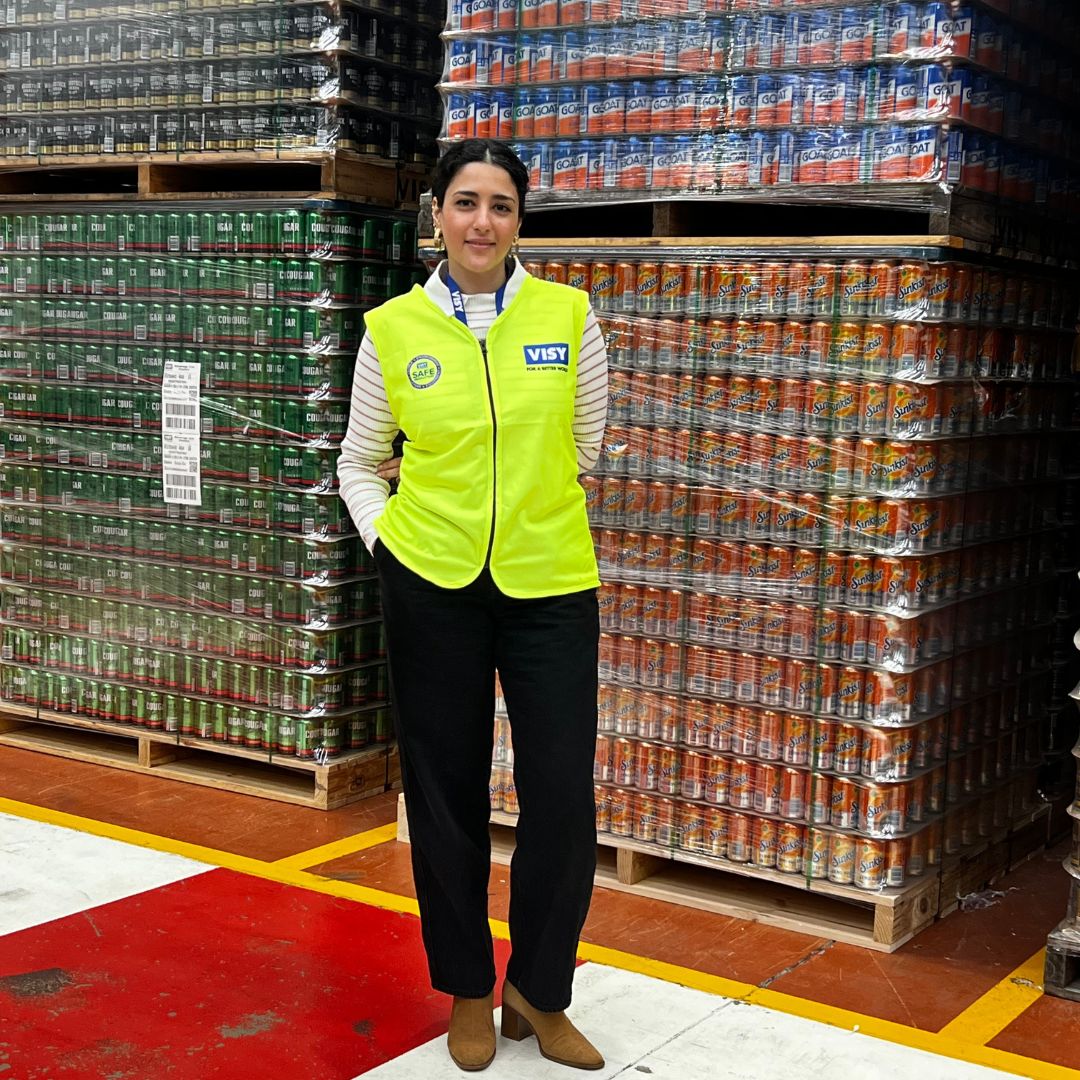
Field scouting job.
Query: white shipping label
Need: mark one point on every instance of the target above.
(180, 427)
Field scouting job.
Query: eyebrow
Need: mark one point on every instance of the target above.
(505, 198)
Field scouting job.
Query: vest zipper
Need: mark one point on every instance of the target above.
(494, 445)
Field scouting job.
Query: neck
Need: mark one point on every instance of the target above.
(469, 282)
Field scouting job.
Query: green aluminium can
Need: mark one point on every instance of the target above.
(383, 723)
(309, 738)
(252, 232)
(171, 712)
(374, 239)
(188, 716)
(191, 241)
(288, 232)
(285, 735)
(284, 372)
(403, 242)
(359, 732)
(222, 717)
(334, 736)
(206, 719)
(254, 729)
(155, 710)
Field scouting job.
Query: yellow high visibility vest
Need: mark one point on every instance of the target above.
(489, 471)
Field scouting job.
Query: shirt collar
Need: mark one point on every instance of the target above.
(436, 289)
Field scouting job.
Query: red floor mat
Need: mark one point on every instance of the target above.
(222, 975)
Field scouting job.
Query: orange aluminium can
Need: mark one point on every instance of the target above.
(647, 765)
(717, 778)
(648, 288)
(621, 811)
(842, 859)
(764, 842)
(645, 818)
(602, 285)
(624, 762)
(791, 841)
(816, 854)
(739, 848)
(820, 798)
(793, 788)
(692, 774)
(847, 749)
(579, 276)
(869, 864)
(602, 798)
(741, 784)
(877, 344)
(844, 805)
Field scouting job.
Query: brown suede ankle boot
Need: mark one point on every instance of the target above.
(471, 1039)
(557, 1038)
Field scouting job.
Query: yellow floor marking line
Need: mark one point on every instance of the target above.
(943, 1043)
(339, 848)
(1001, 1004)
(224, 859)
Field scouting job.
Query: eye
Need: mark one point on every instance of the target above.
(463, 202)
(502, 208)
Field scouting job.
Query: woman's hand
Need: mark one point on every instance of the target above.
(388, 469)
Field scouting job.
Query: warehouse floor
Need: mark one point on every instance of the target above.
(154, 929)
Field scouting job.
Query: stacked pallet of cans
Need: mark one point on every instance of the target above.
(89, 78)
(727, 96)
(823, 521)
(225, 598)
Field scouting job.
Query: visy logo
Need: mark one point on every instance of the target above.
(557, 354)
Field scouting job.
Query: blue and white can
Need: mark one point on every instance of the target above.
(569, 116)
(570, 56)
(935, 91)
(639, 101)
(503, 116)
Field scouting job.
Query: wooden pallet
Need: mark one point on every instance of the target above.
(881, 921)
(347, 779)
(1005, 230)
(256, 174)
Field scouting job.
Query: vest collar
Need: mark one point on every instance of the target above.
(436, 290)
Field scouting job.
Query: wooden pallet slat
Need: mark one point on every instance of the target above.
(253, 174)
(354, 776)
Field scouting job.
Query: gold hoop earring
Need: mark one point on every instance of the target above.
(437, 237)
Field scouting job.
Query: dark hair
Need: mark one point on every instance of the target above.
(488, 151)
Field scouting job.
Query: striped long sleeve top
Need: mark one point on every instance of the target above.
(373, 428)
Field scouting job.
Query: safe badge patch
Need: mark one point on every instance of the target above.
(423, 372)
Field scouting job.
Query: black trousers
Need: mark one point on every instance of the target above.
(444, 648)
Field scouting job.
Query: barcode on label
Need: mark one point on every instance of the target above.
(181, 416)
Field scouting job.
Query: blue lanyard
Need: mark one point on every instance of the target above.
(458, 300)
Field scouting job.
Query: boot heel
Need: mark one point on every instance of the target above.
(514, 1026)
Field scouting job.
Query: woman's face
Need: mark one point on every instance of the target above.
(479, 218)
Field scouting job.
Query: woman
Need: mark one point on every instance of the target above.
(499, 383)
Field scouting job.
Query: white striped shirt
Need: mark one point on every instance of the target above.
(373, 427)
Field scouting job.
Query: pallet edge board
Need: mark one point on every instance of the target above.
(858, 240)
(303, 174)
(323, 787)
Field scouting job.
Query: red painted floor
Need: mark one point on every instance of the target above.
(219, 975)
